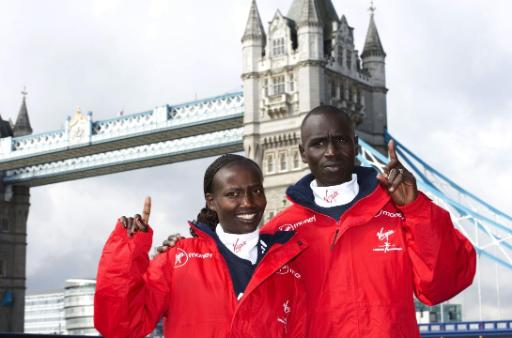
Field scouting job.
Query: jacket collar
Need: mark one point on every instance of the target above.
(301, 192)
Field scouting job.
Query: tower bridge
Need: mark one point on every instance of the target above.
(86, 148)
(304, 58)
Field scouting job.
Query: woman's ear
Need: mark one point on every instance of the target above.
(210, 201)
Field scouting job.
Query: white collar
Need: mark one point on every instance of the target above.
(335, 195)
(242, 245)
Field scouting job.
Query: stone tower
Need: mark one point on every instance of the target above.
(14, 206)
(305, 59)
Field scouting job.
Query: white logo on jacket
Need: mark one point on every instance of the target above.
(294, 226)
(285, 269)
(389, 214)
(182, 257)
(386, 246)
(283, 319)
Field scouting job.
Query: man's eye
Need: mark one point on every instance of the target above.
(341, 140)
(258, 191)
(232, 194)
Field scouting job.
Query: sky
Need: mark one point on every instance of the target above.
(448, 73)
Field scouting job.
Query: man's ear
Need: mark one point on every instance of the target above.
(302, 155)
(210, 202)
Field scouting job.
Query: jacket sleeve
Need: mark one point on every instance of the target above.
(132, 294)
(443, 260)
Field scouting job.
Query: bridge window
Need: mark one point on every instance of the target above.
(4, 225)
(296, 159)
(270, 163)
(283, 163)
(3, 268)
(291, 83)
(349, 60)
(340, 55)
(278, 85)
(278, 46)
(333, 89)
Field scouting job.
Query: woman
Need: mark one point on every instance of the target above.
(229, 281)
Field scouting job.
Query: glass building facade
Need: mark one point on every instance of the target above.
(68, 312)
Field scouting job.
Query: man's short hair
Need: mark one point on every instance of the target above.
(326, 109)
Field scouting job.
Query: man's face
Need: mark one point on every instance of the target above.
(329, 147)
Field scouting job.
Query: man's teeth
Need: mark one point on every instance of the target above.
(247, 216)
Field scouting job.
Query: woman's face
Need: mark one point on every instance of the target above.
(238, 198)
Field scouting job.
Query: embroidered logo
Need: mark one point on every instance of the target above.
(182, 257)
(389, 214)
(285, 269)
(283, 318)
(263, 246)
(330, 197)
(386, 245)
(291, 227)
(237, 246)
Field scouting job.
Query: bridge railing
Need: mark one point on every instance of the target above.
(477, 327)
(166, 116)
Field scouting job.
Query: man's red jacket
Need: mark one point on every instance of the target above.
(190, 285)
(362, 269)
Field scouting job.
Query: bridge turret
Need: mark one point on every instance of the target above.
(373, 56)
(253, 40)
(253, 50)
(22, 126)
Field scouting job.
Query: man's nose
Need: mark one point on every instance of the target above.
(330, 149)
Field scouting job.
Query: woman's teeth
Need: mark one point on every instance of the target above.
(246, 217)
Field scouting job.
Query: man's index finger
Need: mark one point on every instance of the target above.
(391, 150)
(147, 209)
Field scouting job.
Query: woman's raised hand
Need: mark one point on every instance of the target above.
(138, 222)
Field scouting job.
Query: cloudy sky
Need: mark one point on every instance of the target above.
(448, 73)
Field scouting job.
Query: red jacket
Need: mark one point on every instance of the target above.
(361, 270)
(191, 287)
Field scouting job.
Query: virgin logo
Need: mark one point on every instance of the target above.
(330, 197)
(237, 246)
(181, 258)
(285, 269)
(291, 227)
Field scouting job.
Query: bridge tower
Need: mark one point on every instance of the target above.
(305, 59)
(14, 206)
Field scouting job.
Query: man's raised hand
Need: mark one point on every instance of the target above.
(138, 222)
(400, 183)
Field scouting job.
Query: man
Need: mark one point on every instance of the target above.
(374, 240)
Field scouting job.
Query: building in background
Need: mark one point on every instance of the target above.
(441, 313)
(68, 312)
(303, 59)
(44, 313)
(79, 306)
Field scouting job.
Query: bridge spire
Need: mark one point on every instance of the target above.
(254, 28)
(372, 45)
(22, 126)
